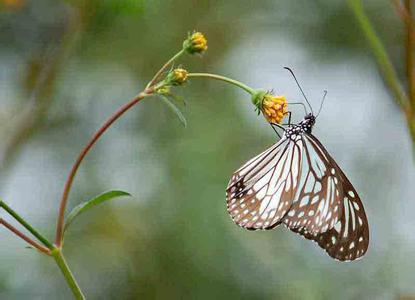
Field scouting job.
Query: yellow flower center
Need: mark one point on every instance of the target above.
(199, 42)
(274, 108)
(179, 76)
(196, 43)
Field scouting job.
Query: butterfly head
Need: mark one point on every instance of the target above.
(308, 122)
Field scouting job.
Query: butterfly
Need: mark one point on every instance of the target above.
(297, 183)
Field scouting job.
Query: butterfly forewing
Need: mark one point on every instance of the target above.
(345, 236)
(261, 191)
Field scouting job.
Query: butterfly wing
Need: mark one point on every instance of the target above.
(261, 191)
(339, 225)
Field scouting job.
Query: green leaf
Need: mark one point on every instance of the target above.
(175, 109)
(178, 99)
(81, 208)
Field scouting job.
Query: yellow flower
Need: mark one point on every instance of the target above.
(274, 108)
(180, 75)
(177, 77)
(196, 43)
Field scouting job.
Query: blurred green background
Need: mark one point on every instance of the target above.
(65, 66)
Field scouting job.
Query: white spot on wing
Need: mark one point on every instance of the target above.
(304, 201)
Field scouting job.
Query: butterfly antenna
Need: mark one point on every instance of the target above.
(298, 84)
(322, 101)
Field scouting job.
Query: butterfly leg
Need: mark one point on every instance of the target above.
(275, 130)
(289, 117)
(278, 125)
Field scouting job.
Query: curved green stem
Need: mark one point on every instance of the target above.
(385, 65)
(223, 78)
(70, 279)
(26, 225)
(379, 52)
(53, 251)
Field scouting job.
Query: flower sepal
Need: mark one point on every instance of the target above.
(273, 107)
(257, 98)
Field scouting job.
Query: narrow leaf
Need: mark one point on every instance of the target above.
(81, 208)
(175, 109)
(178, 99)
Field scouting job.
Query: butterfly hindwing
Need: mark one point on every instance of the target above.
(317, 205)
(346, 238)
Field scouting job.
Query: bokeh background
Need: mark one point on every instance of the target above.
(66, 65)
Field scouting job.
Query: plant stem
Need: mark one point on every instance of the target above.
(24, 237)
(410, 47)
(386, 68)
(151, 87)
(223, 78)
(68, 184)
(380, 53)
(26, 225)
(70, 279)
(164, 67)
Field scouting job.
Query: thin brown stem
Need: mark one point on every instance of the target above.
(401, 11)
(410, 47)
(68, 184)
(151, 87)
(403, 14)
(24, 237)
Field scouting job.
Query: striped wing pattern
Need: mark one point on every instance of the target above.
(260, 193)
(296, 182)
(345, 235)
(317, 207)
